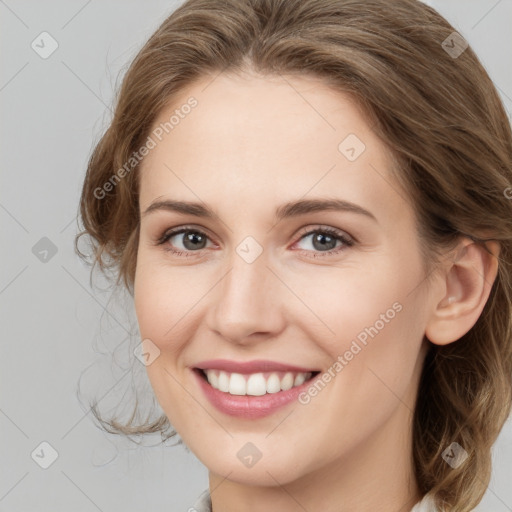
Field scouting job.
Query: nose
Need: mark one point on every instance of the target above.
(248, 303)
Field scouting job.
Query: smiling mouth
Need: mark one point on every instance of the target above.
(254, 384)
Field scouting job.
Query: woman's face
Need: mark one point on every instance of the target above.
(260, 279)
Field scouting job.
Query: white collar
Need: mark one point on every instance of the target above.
(204, 503)
(425, 505)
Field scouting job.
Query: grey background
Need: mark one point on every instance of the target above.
(56, 327)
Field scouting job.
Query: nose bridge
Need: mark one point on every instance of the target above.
(247, 300)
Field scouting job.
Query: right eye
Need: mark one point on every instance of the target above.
(188, 240)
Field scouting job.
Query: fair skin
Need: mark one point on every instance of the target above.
(252, 144)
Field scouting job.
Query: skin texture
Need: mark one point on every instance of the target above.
(251, 144)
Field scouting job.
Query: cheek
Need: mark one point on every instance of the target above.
(370, 328)
(162, 296)
(345, 304)
(370, 377)
(161, 305)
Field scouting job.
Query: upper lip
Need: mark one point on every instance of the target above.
(255, 366)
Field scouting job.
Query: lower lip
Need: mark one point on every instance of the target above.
(246, 406)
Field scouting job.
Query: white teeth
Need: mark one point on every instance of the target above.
(256, 384)
(223, 381)
(213, 378)
(237, 384)
(299, 379)
(287, 382)
(273, 384)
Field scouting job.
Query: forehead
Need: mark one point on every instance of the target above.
(253, 140)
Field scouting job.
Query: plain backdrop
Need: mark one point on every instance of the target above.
(56, 328)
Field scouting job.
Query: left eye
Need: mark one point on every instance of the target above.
(325, 240)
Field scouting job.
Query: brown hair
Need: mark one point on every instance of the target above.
(442, 119)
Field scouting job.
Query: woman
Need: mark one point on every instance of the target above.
(309, 201)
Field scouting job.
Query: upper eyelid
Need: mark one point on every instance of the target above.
(179, 230)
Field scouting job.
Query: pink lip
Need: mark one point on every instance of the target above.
(250, 366)
(245, 406)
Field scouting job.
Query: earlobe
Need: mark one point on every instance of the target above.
(467, 283)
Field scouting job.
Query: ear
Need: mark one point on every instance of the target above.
(466, 285)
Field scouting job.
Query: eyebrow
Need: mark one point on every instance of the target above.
(287, 210)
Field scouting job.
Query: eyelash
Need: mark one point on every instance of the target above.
(338, 235)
